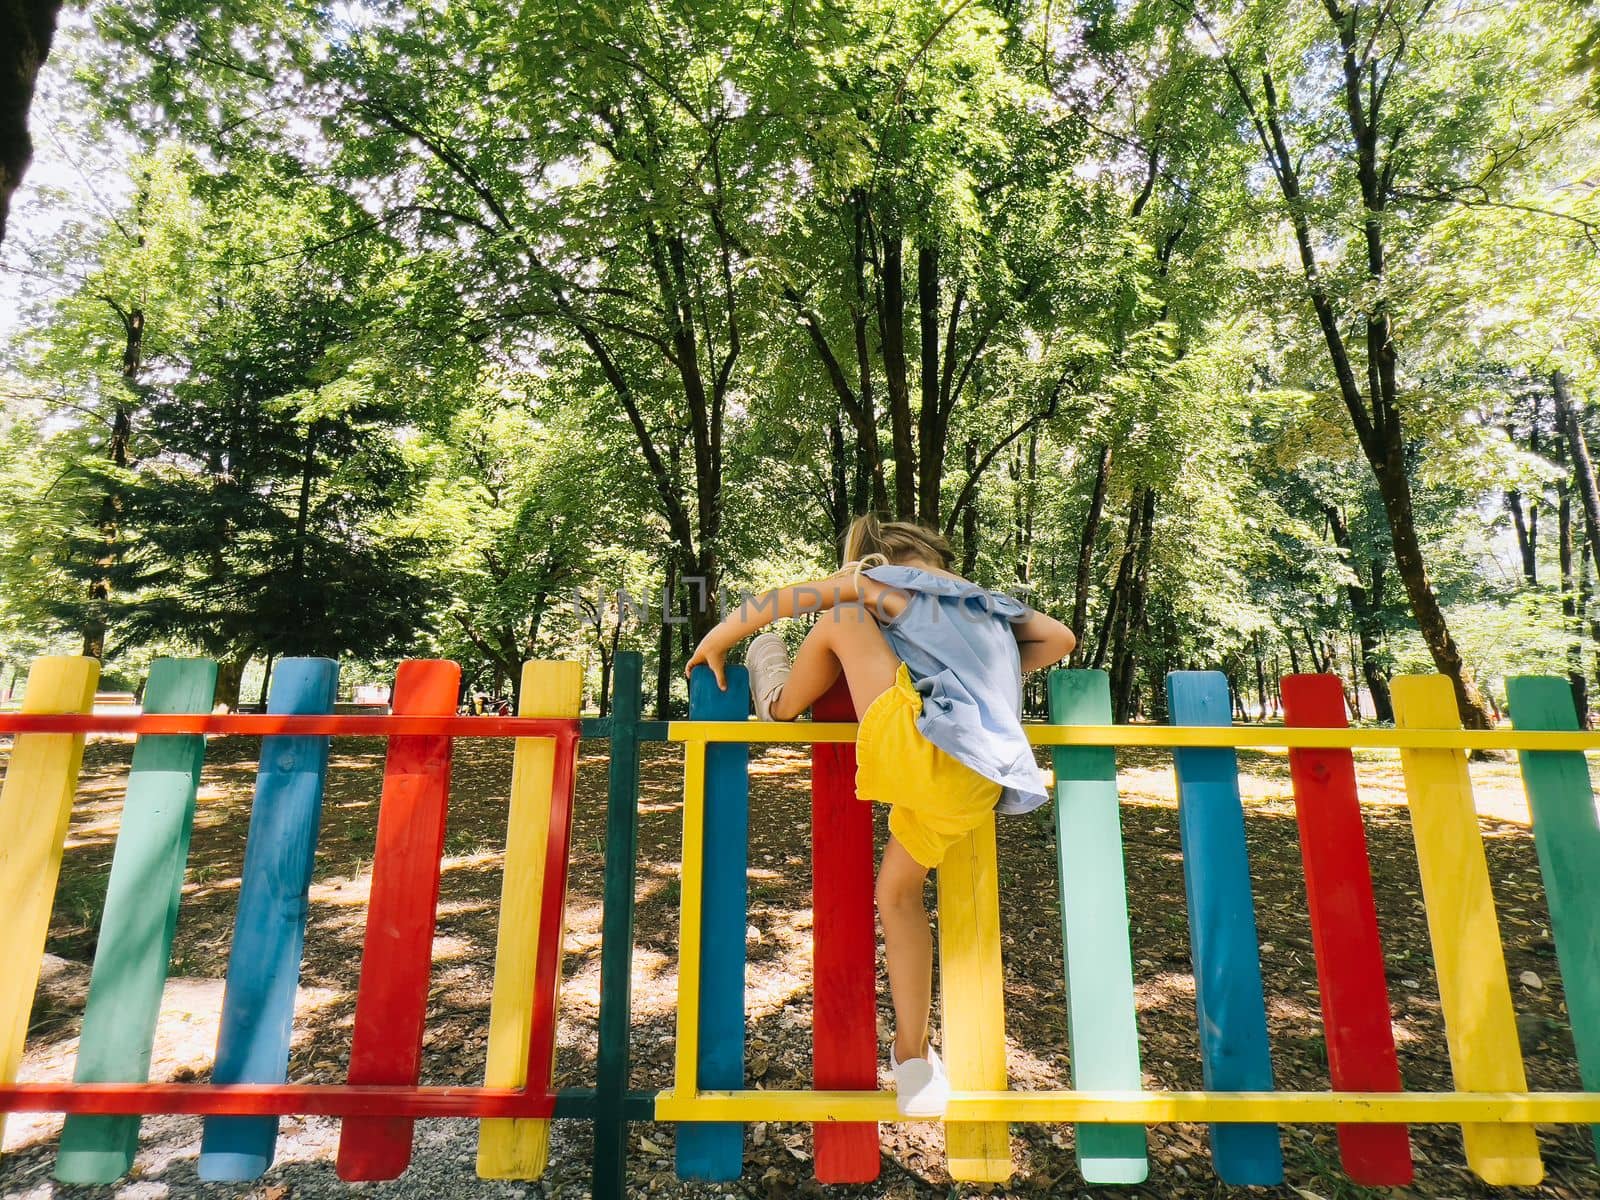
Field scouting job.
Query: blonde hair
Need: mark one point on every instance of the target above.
(870, 542)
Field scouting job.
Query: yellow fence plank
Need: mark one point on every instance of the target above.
(1237, 736)
(35, 806)
(1480, 1026)
(1148, 1108)
(691, 877)
(973, 986)
(520, 1149)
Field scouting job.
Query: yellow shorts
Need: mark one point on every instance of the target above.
(935, 799)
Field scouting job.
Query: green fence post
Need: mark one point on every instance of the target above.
(616, 931)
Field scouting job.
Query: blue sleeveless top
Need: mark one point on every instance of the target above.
(957, 642)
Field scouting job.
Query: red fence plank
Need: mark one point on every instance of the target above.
(845, 954)
(391, 1003)
(1344, 931)
(273, 1099)
(552, 918)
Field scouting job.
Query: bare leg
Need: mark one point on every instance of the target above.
(907, 947)
(845, 637)
(848, 637)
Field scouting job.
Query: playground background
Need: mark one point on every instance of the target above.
(778, 1156)
(1255, 336)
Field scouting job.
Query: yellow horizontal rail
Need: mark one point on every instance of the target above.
(1238, 737)
(1150, 1108)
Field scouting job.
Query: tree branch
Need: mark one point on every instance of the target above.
(970, 487)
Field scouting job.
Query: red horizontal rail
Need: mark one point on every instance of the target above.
(269, 724)
(273, 1099)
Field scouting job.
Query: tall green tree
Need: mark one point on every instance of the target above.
(247, 494)
(1410, 116)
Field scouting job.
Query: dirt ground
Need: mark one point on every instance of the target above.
(778, 1006)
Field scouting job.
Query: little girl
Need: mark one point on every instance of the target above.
(934, 664)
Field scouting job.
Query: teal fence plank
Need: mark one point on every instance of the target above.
(136, 926)
(1094, 928)
(714, 1151)
(1566, 835)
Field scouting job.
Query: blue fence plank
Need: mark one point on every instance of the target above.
(714, 1152)
(269, 929)
(1229, 999)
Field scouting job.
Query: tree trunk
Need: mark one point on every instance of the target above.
(1572, 620)
(1261, 674)
(1584, 626)
(230, 675)
(892, 329)
(608, 666)
(109, 525)
(1364, 609)
(1026, 492)
(1091, 529)
(1584, 592)
(839, 507)
(1525, 545)
(669, 593)
(931, 458)
(707, 402)
(27, 28)
(700, 599)
(1395, 488)
(1317, 663)
(110, 518)
(1570, 420)
(1124, 656)
(1374, 415)
(1121, 587)
(969, 519)
(266, 682)
(1230, 673)
(1354, 658)
(866, 488)
(869, 454)
(302, 516)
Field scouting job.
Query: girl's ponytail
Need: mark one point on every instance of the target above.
(870, 541)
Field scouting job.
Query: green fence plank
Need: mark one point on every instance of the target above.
(612, 1109)
(1094, 927)
(1566, 833)
(141, 912)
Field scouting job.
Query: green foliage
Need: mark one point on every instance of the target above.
(458, 322)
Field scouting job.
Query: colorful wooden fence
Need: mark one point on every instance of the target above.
(708, 1096)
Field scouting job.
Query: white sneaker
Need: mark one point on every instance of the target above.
(767, 660)
(921, 1088)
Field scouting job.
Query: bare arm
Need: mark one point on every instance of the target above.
(757, 612)
(1042, 640)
